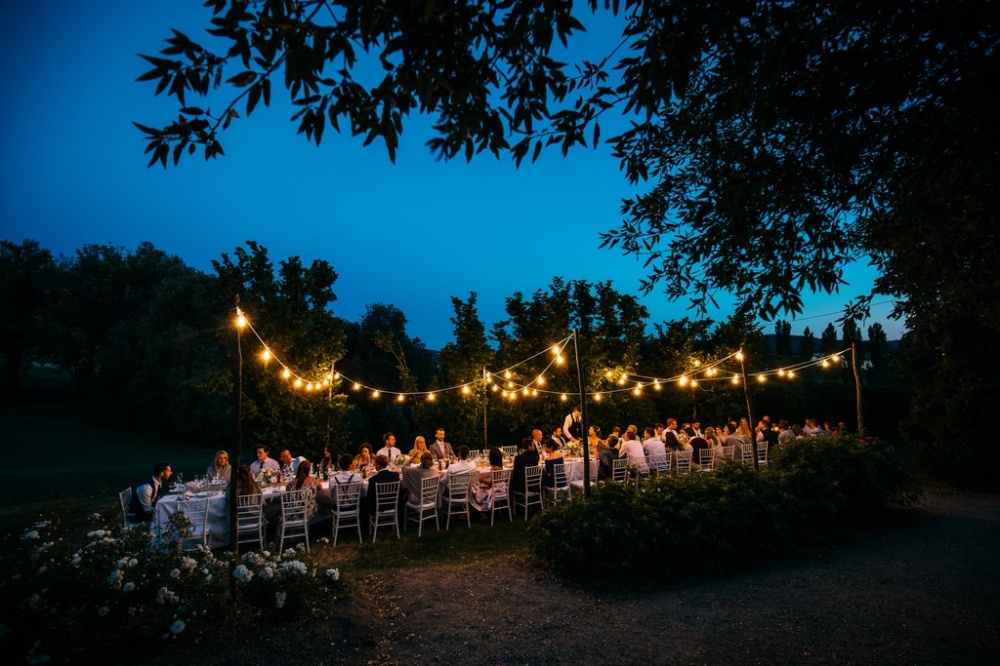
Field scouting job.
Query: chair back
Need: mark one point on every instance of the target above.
(386, 495)
(196, 510)
(683, 461)
(346, 509)
(762, 453)
(250, 519)
(294, 505)
(429, 491)
(619, 470)
(659, 463)
(501, 493)
(347, 497)
(560, 478)
(295, 515)
(728, 451)
(705, 459)
(458, 488)
(125, 499)
(533, 479)
(501, 484)
(509, 450)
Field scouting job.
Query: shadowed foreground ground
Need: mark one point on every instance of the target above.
(922, 591)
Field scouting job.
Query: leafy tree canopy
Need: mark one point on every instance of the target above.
(779, 140)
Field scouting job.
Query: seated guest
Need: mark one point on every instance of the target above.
(144, 497)
(263, 461)
(482, 488)
(245, 483)
(389, 449)
(527, 457)
(288, 465)
(460, 466)
(414, 476)
(364, 459)
(419, 448)
(328, 461)
(219, 469)
(441, 449)
(594, 438)
(606, 455)
(305, 481)
(303, 477)
(632, 449)
(552, 458)
(652, 445)
(557, 437)
(383, 475)
(697, 443)
(343, 477)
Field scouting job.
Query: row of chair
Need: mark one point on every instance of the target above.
(297, 506)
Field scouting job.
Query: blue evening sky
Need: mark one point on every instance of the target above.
(413, 234)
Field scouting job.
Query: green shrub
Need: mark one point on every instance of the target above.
(842, 477)
(737, 514)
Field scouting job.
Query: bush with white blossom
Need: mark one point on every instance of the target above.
(60, 592)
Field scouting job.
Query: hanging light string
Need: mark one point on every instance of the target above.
(508, 386)
(531, 388)
(299, 381)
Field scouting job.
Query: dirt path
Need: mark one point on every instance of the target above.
(924, 591)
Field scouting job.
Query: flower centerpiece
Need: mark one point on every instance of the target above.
(266, 477)
(574, 448)
(401, 461)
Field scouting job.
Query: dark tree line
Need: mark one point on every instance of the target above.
(156, 339)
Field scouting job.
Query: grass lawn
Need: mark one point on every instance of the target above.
(82, 457)
(68, 448)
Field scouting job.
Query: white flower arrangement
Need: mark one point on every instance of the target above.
(268, 476)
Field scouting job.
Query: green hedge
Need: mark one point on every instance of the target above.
(696, 522)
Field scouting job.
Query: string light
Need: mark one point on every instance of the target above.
(514, 388)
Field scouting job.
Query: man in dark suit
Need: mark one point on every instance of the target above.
(440, 449)
(527, 457)
(383, 475)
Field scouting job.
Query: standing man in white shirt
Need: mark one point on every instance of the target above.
(389, 450)
(572, 428)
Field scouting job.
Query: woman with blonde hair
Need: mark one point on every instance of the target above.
(220, 470)
(419, 448)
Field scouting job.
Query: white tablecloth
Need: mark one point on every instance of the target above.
(218, 516)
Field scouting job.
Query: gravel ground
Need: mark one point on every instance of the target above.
(925, 589)
(922, 591)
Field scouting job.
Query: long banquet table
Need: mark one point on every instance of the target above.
(218, 510)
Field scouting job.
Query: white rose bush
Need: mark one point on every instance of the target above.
(62, 591)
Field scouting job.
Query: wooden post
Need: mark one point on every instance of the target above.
(486, 404)
(235, 464)
(857, 386)
(746, 394)
(583, 415)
